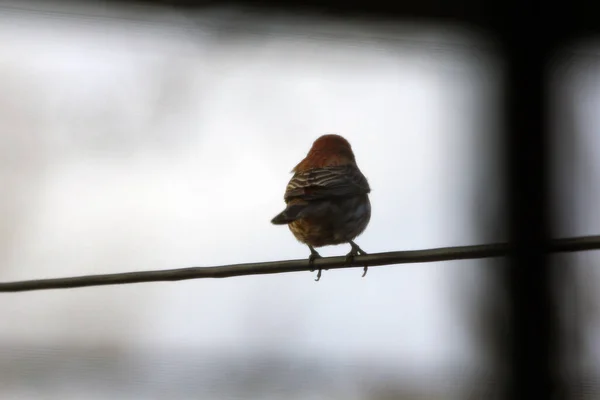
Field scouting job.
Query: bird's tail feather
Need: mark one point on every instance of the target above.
(281, 219)
(290, 214)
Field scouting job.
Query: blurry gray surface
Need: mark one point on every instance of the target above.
(575, 85)
(181, 374)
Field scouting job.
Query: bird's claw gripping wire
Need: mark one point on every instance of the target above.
(356, 251)
(311, 260)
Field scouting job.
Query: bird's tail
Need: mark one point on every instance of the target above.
(282, 219)
(290, 214)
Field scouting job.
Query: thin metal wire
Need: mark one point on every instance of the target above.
(278, 267)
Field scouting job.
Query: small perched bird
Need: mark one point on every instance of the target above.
(327, 198)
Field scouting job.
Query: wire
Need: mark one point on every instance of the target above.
(278, 267)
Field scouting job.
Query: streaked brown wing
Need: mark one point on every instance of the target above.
(320, 183)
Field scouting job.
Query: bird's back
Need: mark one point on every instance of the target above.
(331, 221)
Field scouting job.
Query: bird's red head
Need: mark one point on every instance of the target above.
(327, 150)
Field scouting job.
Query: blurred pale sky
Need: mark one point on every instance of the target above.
(135, 140)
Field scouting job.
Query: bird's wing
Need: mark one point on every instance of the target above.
(327, 182)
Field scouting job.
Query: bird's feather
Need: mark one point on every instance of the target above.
(290, 214)
(327, 182)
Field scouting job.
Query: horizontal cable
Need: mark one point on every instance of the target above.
(277, 267)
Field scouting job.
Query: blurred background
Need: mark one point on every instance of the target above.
(575, 98)
(141, 138)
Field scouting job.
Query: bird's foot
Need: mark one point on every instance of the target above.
(356, 251)
(311, 260)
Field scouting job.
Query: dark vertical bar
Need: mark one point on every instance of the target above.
(532, 342)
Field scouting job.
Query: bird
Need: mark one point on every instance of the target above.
(327, 199)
